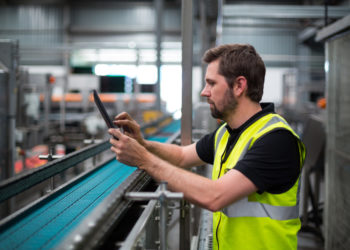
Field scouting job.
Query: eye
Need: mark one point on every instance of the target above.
(210, 82)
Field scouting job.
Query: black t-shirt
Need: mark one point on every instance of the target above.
(273, 162)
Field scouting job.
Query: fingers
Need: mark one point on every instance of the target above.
(123, 116)
(116, 134)
(126, 148)
(126, 123)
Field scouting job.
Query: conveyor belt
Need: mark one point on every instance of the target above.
(172, 127)
(46, 224)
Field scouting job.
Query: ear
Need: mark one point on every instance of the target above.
(240, 86)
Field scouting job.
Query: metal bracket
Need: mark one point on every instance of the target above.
(162, 195)
(93, 141)
(50, 157)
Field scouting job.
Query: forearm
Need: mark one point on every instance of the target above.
(210, 194)
(171, 153)
(196, 189)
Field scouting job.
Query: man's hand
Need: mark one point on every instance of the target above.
(130, 126)
(127, 149)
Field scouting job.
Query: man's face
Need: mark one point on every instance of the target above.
(219, 95)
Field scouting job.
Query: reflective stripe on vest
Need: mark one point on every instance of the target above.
(245, 208)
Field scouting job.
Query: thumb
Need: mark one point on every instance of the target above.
(115, 133)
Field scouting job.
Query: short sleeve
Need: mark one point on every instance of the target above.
(205, 148)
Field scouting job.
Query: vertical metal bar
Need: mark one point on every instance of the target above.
(4, 119)
(47, 106)
(52, 182)
(9, 60)
(219, 22)
(163, 232)
(158, 27)
(204, 37)
(325, 13)
(64, 91)
(66, 23)
(186, 120)
(187, 63)
(12, 104)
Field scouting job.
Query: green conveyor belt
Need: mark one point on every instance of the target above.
(47, 224)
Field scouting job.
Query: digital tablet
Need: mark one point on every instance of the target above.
(102, 110)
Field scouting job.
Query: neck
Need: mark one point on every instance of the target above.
(244, 110)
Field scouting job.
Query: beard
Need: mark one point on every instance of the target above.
(229, 104)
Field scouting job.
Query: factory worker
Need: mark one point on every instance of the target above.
(256, 156)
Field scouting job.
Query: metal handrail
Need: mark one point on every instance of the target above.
(21, 182)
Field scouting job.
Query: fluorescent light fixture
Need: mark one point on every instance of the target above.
(115, 70)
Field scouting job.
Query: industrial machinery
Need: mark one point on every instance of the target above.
(8, 83)
(94, 210)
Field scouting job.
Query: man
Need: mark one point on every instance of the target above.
(256, 157)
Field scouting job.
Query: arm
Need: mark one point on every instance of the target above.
(212, 195)
(182, 156)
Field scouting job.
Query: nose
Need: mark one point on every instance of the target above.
(205, 91)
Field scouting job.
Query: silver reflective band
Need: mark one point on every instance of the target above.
(275, 119)
(245, 208)
(219, 137)
(245, 150)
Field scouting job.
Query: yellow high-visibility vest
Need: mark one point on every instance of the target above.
(258, 221)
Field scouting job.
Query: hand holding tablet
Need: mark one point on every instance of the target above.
(103, 111)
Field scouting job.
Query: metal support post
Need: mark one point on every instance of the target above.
(9, 61)
(186, 120)
(47, 105)
(66, 57)
(204, 39)
(163, 218)
(159, 11)
(162, 195)
(93, 141)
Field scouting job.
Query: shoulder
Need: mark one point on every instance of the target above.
(278, 136)
(277, 144)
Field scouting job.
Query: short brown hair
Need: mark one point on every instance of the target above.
(240, 60)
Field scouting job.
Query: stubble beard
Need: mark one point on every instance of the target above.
(229, 104)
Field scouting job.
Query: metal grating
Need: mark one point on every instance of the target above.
(209, 242)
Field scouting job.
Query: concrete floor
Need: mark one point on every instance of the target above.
(308, 241)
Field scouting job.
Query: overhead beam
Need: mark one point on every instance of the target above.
(75, 30)
(333, 29)
(283, 11)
